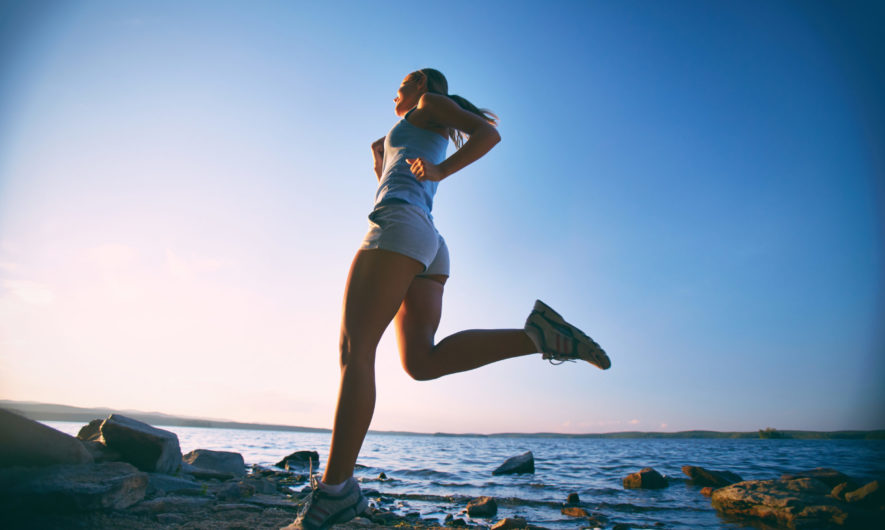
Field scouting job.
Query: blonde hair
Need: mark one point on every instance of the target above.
(437, 84)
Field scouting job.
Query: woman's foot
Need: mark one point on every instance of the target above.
(324, 509)
(559, 341)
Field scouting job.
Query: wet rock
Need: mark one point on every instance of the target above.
(524, 463)
(91, 432)
(705, 477)
(869, 495)
(25, 442)
(574, 511)
(382, 476)
(482, 507)
(161, 484)
(799, 502)
(73, 488)
(830, 477)
(509, 523)
(300, 460)
(217, 461)
(707, 492)
(573, 498)
(145, 447)
(646, 478)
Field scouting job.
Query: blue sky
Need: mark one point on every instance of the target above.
(698, 185)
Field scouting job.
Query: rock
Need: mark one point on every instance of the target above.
(73, 488)
(218, 461)
(91, 432)
(574, 511)
(799, 502)
(382, 476)
(101, 453)
(707, 492)
(170, 518)
(25, 442)
(524, 463)
(839, 491)
(299, 460)
(869, 495)
(830, 477)
(573, 498)
(510, 522)
(482, 507)
(204, 474)
(145, 447)
(235, 491)
(646, 478)
(705, 477)
(161, 484)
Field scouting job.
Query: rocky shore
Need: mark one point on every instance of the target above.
(122, 473)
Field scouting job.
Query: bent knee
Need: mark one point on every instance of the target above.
(418, 369)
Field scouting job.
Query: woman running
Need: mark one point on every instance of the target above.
(398, 275)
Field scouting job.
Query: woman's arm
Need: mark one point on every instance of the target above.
(445, 113)
(378, 155)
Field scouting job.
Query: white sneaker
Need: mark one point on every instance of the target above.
(560, 341)
(323, 509)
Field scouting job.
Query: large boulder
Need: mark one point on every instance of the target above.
(217, 461)
(707, 477)
(25, 442)
(798, 502)
(73, 488)
(646, 478)
(524, 463)
(300, 460)
(145, 447)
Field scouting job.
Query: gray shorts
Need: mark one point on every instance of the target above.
(407, 229)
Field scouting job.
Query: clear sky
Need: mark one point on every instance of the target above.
(699, 185)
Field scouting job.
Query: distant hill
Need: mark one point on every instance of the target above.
(51, 412)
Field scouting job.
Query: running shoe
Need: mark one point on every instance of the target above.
(560, 341)
(322, 510)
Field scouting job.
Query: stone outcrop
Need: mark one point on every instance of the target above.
(299, 461)
(870, 495)
(219, 461)
(482, 507)
(147, 448)
(700, 476)
(646, 478)
(830, 477)
(524, 463)
(73, 488)
(25, 442)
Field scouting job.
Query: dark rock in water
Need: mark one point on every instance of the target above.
(25, 442)
(73, 488)
(799, 502)
(510, 523)
(706, 477)
(573, 498)
(482, 507)
(830, 477)
(869, 495)
(300, 460)
(218, 461)
(91, 432)
(524, 463)
(574, 511)
(646, 478)
(145, 447)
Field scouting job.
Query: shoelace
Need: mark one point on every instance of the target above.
(552, 358)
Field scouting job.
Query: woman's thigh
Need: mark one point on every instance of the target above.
(418, 318)
(376, 286)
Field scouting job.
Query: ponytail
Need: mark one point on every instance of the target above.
(437, 84)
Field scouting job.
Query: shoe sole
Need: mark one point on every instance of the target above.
(595, 356)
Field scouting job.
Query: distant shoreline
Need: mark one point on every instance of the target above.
(53, 412)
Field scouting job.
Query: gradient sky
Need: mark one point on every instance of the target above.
(698, 185)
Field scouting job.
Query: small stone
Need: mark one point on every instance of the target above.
(524, 463)
(510, 522)
(482, 507)
(218, 461)
(457, 523)
(573, 498)
(646, 478)
(382, 476)
(707, 492)
(574, 511)
(299, 460)
(91, 432)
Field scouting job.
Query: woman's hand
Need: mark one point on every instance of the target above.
(378, 155)
(424, 170)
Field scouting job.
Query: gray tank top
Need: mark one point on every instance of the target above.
(397, 183)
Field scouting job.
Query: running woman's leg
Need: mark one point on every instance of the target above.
(377, 283)
(416, 323)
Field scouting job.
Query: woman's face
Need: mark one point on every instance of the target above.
(408, 94)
